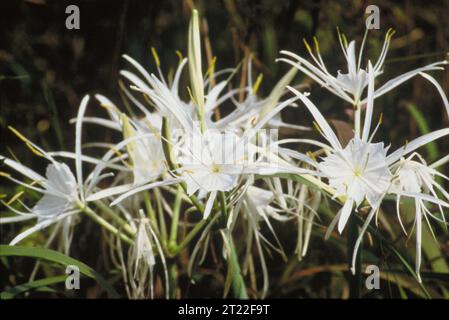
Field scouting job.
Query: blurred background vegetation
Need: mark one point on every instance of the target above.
(45, 70)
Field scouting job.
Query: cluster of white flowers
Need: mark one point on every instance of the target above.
(178, 157)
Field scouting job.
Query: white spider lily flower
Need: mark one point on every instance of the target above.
(165, 98)
(361, 170)
(146, 154)
(350, 86)
(144, 248)
(182, 115)
(60, 197)
(258, 202)
(143, 260)
(414, 178)
(63, 192)
(213, 161)
(357, 172)
(148, 160)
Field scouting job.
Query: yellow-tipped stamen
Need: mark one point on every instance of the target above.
(318, 128)
(18, 194)
(28, 144)
(118, 153)
(342, 38)
(311, 155)
(148, 99)
(345, 40)
(390, 34)
(317, 46)
(156, 57)
(211, 69)
(257, 84)
(128, 132)
(4, 174)
(192, 98)
(15, 197)
(307, 45)
(180, 56)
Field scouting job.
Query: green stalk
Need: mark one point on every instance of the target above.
(162, 224)
(175, 219)
(113, 215)
(173, 280)
(238, 283)
(185, 242)
(151, 212)
(104, 224)
(224, 209)
(355, 280)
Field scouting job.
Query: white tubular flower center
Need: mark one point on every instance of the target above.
(358, 171)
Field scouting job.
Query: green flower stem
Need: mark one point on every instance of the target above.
(104, 224)
(189, 237)
(173, 280)
(112, 214)
(355, 280)
(175, 218)
(238, 283)
(161, 218)
(194, 199)
(224, 209)
(151, 212)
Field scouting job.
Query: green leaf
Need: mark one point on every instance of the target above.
(54, 256)
(423, 127)
(21, 288)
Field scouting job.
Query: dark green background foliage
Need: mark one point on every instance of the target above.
(45, 70)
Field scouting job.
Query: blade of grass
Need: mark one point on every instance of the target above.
(423, 127)
(54, 256)
(21, 288)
